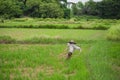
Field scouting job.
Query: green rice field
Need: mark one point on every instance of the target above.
(99, 59)
(21, 34)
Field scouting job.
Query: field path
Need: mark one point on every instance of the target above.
(88, 64)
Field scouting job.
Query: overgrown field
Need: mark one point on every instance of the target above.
(46, 60)
(29, 52)
(98, 61)
(76, 23)
(49, 35)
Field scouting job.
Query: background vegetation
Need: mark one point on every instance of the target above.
(33, 8)
(58, 8)
(34, 35)
(73, 23)
(105, 9)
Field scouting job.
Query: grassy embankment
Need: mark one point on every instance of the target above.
(77, 23)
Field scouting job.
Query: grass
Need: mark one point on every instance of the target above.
(23, 34)
(6, 39)
(102, 62)
(114, 33)
(49, 36)
(46, 59)
(99, 24)
(47, 62)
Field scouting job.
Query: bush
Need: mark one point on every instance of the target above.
(114, 33)
(8, 9)
(80, 27)
(100, 27)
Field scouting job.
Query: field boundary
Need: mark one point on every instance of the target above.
(39, 40)
(54, 27)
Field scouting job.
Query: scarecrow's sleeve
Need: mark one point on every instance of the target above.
(68, 44)
(77, 47)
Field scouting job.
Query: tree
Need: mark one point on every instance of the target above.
(74, 9)
(23, 1)
(9, 9)
(50, 10)
(80, 7)
(90, 8)
(44, 10)
(63, 5)
(109, 9)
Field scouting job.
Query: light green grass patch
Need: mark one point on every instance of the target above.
(101, 24)
(22, 34)
(39, 61)
(114, 33)
(48, 62)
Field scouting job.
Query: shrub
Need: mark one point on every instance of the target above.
(114, 33)
(100, 27)
(80, 27)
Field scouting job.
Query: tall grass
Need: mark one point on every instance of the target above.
(114, 33)
(40, 40)
(6, 39)
(25, 34)
(48, 26)
(98, 61)
(100, 64)
(35, 62)
(100, 24)
(48, 36)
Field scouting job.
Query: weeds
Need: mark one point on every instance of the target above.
(114, 33)
(97, 61)
(40, 40)
(6, 40)
(59, 23)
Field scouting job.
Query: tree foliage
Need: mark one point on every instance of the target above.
(104, 9)
(109, 9)
(9, 8)
(33, 8)
(58, 8)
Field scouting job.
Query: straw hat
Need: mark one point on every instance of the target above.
(72, 42)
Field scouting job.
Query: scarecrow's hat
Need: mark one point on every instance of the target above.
(72, 42)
